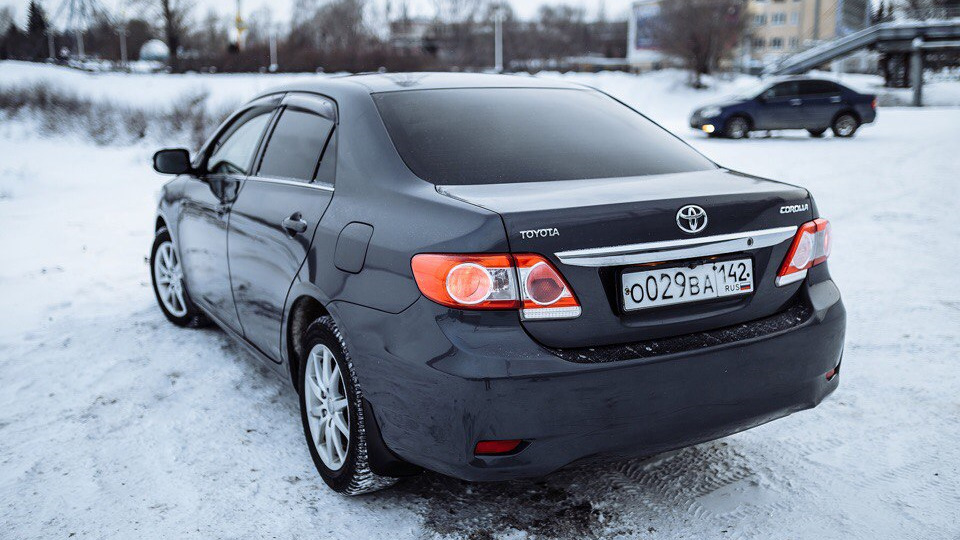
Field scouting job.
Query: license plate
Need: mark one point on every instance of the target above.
(681, 284)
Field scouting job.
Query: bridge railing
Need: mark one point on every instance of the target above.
(928, 13)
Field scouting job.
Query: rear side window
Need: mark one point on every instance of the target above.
(505, 135)
(811, 88)
(782, 90)
(296, 146)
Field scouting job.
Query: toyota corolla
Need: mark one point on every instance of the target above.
(492, 276)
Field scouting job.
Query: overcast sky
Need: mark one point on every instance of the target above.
(281, 8)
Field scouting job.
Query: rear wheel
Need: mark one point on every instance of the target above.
(845, 125)
(736, 128)
(331, 409)
(169, 286)
(817, 133)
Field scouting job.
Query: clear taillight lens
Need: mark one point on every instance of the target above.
(496, 281)
(811, 246)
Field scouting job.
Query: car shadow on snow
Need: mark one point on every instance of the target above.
(594, 498)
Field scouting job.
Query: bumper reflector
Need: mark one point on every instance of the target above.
(492, 448)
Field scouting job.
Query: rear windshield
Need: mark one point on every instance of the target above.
(505, 135)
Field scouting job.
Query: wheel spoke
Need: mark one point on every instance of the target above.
(327, 369)
(328, 444)
(338, 445)
(317, 374)
(339, 404)
(181, 304)
(334, 384)
(314, 388)
(339, 422)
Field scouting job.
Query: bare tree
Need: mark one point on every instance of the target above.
(173, 15)
(700, 32)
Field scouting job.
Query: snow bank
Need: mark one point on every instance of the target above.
(115, 424)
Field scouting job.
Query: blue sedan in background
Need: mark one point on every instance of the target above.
(795, 103)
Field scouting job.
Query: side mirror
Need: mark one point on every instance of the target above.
(172, 161)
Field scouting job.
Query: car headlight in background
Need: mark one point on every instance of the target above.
(710, 112)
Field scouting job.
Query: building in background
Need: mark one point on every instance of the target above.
(642, 52)
(783, 27)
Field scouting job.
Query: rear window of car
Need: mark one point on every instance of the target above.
(507, 135)
(818, 87)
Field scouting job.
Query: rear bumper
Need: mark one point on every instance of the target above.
(448, 379)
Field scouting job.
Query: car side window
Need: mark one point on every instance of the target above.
(819, 88)
(782, 90)
(233, 151)
(296, 146)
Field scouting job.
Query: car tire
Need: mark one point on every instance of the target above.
(330, 397)
(817, 133)
(736, 128)
(845, 125)
(166, 273)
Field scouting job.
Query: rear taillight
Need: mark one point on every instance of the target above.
(544, 292)
(525, 282)
(811, 246)
(874, 103)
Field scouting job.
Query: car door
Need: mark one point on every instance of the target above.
(780, 107)
(276, 214)
(821, 101)
(205, 211)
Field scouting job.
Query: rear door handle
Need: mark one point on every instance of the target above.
(796, 102)
(294, 224)
(835, 99)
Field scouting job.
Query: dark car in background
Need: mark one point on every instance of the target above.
(796, 103)
(494, 276)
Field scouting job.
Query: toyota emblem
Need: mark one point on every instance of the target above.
(691, 219)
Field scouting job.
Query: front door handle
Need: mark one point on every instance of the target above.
(294, 224)
(796, 102)
(835, 99)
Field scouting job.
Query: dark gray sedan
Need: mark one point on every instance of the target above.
(493, 276)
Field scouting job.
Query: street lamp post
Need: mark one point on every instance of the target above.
(498, 39)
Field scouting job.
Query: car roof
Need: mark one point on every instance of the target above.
(398, 82)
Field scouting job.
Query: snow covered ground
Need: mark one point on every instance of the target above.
(115, 424)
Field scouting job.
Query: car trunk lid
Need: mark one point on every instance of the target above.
(592, 230)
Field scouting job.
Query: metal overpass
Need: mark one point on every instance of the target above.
(908, 38)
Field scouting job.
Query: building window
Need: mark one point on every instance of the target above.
(795, 18)
(760, 19)
(778, 19)
(759, 43)
(776, 43)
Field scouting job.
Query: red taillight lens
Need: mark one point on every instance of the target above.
(544, 292)
(496, 281)
(467, 281)
(811, 246)
(874, 103)
(488, 448)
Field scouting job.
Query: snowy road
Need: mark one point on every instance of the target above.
(115, 424)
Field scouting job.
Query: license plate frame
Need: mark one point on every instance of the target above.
(634, 274)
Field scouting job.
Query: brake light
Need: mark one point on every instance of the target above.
(544, 292)
(874, 103)
(467, 281)
(811, 246)
(525, 282)
(492, 448)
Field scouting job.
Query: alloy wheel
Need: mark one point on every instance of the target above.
(169, 278)
(738, 128)
(328, 410)
(846, 125)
